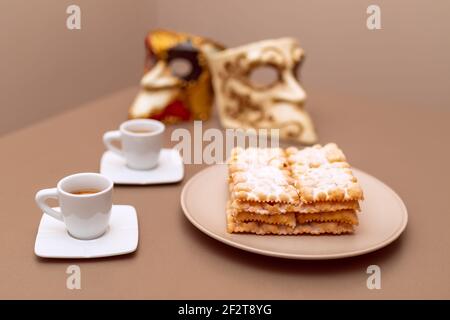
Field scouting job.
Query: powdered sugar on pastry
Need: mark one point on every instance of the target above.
(264, 183)
(315, 156)
(292, 192)
(243, 159)
(322, 174)
(328, 183)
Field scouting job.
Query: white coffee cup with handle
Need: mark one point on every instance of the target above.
(141, 141)
(85, 201)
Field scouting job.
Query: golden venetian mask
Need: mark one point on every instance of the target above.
(176, 85)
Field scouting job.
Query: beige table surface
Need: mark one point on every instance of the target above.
(404, 146)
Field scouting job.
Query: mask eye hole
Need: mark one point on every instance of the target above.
(180, 67)
(263, 76)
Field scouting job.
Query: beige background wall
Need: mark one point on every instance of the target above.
(408, 60)
(47, 69)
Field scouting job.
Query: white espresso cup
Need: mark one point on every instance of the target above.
(141, 141)
(85, 201)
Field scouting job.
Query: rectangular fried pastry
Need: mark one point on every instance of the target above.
(292, 192)
(322, 174)
(263, 208)
(313, 228)
(242, 159)
(261, 175)
(344, 216)
(287, 219)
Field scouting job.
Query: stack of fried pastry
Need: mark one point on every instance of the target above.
(292, 192)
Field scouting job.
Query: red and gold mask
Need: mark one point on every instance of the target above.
(176, 85)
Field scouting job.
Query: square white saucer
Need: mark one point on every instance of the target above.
(53, 240)
(169, 170)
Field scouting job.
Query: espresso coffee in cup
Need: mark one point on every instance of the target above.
(140, 131)
(85, 201)
(141, 141)
(81, 192)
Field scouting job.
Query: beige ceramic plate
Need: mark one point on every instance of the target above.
(382, 220)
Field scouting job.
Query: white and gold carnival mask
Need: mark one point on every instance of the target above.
(244, 101)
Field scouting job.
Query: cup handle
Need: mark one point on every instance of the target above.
(42, 196)
(109, 137)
